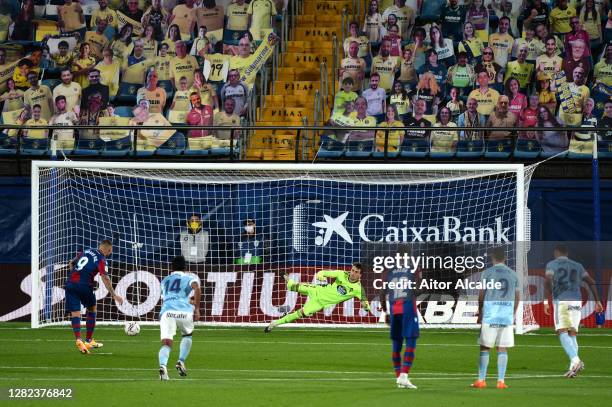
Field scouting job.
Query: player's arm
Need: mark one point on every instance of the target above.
(481, 296)
(591, 283)
(72, 262)
(102, 270)
(364, 301)
(517, 298)
(548, 286)
(322, 275)
(197, 293)
(109, 287)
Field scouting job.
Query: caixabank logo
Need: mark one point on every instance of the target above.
(346, 228)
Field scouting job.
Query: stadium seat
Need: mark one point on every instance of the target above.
(89, 147)
(527, 148)
(8, 145)
(390, 154)
(359, 148)
(144, 153)
(414, 148)
(604, 149)
(329, 147)
(118, 148)
(224, 151)
(442, 154)
(470, 149)
(196, 152)
(174, 146)
(167, 86)
(189, 151)
(51, 83)
(124, 111)
(127, 93)
(232, 37)
(580, 150)
(34, 146)
(548, 154)
(498, 148)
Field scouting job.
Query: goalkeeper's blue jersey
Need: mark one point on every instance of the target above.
(498, 305)
(176, 289)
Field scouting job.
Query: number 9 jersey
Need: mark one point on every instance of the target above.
(86, 265)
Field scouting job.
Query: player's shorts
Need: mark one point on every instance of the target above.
(312, 304)
(405, 324)
(492, 335)
(308, 289)
(77, 294)
(567, 314)
(170, 320)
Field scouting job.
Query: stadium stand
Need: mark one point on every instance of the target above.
(550, 59)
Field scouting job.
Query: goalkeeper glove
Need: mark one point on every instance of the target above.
(365, 305)
(321, 276)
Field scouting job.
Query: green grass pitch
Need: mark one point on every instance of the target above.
(298, 367)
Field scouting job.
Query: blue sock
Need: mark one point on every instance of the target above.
(502, 364)
(185, 347)
(568, 345)
(483, 364)
(574, 339)
(164, 354)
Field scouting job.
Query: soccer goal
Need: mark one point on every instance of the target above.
(256, 221)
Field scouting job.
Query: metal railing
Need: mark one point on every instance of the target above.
(306, 137)
(284, 29)
(323, 86)
(335, 65)
(263, 86)
(345, 24)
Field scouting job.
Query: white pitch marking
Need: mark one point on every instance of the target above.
(460, 345)
(278, 379)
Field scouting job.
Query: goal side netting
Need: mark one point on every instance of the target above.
(305, 217)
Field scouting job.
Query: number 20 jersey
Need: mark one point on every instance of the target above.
(176, 289)
(567, 276)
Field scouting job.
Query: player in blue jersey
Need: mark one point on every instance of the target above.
(404, 324)
(178, 311)
(563, 279)
(496, 310)
(79, 290)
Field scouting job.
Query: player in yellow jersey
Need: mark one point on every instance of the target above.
(346, 285)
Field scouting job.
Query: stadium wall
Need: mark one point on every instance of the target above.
(561, 210)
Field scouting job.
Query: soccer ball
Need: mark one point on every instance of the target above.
(132, 328)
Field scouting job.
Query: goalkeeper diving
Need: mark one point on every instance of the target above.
(346, 285)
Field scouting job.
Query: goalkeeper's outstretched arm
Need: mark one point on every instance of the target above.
(322, 275)
(364, 302)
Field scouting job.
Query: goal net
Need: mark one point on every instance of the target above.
(241, 225)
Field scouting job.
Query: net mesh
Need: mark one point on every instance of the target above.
(306, 219)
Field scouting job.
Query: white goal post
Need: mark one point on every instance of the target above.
(307, 217)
